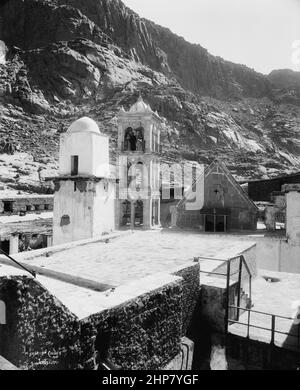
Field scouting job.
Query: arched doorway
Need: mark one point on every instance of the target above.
(126, 213)
(138, 213)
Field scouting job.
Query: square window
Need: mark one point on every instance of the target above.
(8, 207)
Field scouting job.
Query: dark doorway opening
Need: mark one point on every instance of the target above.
(74, 165)
(138, 213)
(5, 246)
(216, 223)
(126, 213)
(155, 219)
(220, 223)
(209, 223)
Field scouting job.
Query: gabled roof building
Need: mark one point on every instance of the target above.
(216, 203)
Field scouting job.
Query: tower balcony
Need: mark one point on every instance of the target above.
(127, 147)
(139, 147)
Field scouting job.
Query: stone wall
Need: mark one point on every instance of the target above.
(191, 293)
(239, 218)
(40, 332)
(254, 354)
(28, 204)
(144, 332)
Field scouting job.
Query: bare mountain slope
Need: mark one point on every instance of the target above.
(68, 58)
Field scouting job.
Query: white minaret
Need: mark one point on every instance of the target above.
(84, 198)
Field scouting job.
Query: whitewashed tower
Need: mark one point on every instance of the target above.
(139, 148)
(84, 201)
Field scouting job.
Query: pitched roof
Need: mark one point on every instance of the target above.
(229, 176)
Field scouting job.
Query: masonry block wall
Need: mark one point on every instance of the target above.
(191, 293)
(40, 332)
(26, 204)
(144, 333)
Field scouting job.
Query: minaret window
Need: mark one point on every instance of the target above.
(74, 165)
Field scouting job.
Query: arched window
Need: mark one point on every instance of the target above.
(2, 313)
(137, 176)
(139, 179)
(140, 141)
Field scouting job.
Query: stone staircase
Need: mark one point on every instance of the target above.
(245, 302)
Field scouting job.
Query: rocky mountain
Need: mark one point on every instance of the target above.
(68, 58)
(286, 84)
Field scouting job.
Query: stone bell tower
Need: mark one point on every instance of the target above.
(84, 199)
(139, 148)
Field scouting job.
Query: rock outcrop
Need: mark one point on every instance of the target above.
(68, 58)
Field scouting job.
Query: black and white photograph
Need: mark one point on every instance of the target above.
(149, 188)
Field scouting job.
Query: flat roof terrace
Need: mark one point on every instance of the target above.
(81, 274)
(30, 223)
(133, 255)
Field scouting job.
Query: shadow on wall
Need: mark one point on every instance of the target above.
(293, 338)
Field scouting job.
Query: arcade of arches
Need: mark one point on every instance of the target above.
(132, 213)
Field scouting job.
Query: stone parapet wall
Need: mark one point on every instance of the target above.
(191, 292)
(142, 333)
(40, 332)
(138, 329)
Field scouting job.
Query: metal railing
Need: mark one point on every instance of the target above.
(229, 275)
(272, 329)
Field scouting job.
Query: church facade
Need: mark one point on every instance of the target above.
(216, 203)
